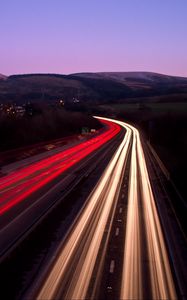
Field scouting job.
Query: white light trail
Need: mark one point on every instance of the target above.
(73, 269)
(162, 284)
(87, 233)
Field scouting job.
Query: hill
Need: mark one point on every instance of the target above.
(93, 88)
(142, 81)
(3, 77)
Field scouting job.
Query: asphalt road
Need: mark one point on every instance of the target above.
(124, 242)
(121, 210)
(27, 194)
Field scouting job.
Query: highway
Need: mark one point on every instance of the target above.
(29, 193)
(142, 206)
(17, 186)
(79, 265)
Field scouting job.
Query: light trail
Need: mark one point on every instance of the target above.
(20, 184)
(133, 279)
(77, 259)
(85, 245)
(161, 277)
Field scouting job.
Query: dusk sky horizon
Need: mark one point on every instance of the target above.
(59, 36)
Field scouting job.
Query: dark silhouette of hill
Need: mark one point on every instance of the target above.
(3, 77)
(88, 87)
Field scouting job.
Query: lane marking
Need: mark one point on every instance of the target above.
(123, 196)
(117, 231)
(120, 210)
(112, 266)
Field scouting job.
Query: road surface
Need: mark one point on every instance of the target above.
(77, 269)
(28, 193)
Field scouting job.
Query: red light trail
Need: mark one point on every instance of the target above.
(69, 275)
(20, 184)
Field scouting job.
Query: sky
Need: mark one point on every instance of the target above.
(71, 36)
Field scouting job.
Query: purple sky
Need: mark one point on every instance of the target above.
(68, 36)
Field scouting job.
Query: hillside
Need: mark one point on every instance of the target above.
(141, 81)
(90, 87)
(3, 77)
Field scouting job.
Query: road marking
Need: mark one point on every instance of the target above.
(112, 265)
(117, 231)
(120, 210)
(119, 220)
(123, 196)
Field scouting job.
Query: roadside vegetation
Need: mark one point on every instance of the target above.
(155, 103)
(45, 123)
(164, 125)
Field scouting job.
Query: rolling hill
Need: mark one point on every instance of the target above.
(3, 77)
(100, 87)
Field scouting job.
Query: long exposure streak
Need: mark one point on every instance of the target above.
(86, 235)
(18, 185)
(69, 276)
(133, 280)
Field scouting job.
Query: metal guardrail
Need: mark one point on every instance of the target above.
(166, 173)
(160, 163)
